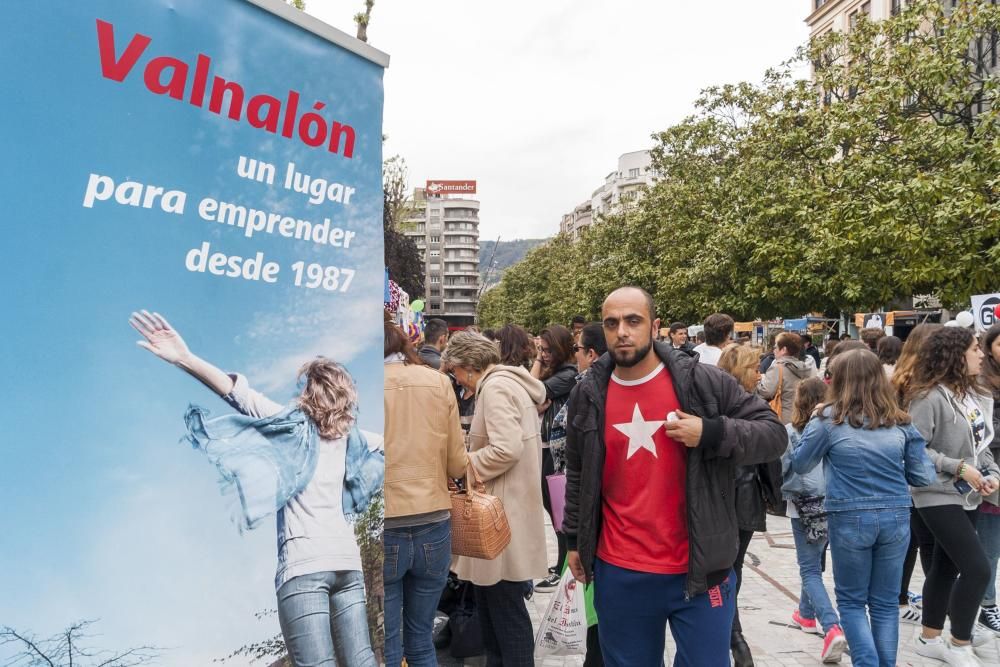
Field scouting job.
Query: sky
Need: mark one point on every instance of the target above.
(107, 514)
(536, 100)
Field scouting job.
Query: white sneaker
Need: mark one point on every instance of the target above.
(961, 656)
(930, 648)
(909, 614)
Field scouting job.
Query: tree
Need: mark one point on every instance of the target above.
(875, 181)
(402, 257)
(69, 648)
(298, 4)
(363, 19)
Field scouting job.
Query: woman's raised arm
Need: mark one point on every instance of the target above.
(163, 340)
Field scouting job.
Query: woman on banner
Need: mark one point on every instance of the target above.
(505, 450)
(310, 465)
(424, 446)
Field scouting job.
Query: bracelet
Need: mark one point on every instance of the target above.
(961, 469)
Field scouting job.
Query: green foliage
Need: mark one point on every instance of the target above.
(878, 179)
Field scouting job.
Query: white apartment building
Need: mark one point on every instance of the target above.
(622, 187)
(446, 231)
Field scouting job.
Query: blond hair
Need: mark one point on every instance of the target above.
(470, 350)
(742, 362)
(329, 397)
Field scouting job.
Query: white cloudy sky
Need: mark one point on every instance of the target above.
(536, 100)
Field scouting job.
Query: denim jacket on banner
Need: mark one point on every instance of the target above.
(864, 468)
(267, 462)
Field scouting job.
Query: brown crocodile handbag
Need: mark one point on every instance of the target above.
(479, 527)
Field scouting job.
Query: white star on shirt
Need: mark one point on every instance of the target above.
(640, 433)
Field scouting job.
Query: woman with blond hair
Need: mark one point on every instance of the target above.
(310, 465)
(743, 363)
(506, 453)
(424, 446)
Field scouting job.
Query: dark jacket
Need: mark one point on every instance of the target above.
(557, 389)
(738, 428)
(431, 356)
(813, 352)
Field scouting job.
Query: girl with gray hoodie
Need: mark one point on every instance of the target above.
(957, 422)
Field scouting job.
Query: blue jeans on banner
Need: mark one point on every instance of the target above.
(635, 607)
(868, 548)
(988, 527)
(323, 619)
(814, 603)
(414, 572)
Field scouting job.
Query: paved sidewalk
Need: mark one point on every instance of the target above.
(769, 594)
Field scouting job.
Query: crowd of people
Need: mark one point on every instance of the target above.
(879, 450)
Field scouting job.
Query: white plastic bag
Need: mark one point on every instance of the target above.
(563, 630)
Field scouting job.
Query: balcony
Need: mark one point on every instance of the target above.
(463, 246)
(461, 272)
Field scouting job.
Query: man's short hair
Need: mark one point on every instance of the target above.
(645, 295)
(592, 338)
(434, 329)
(807, 340)
(790, 341)
(718, 328)
(677, 326)
(579, 319)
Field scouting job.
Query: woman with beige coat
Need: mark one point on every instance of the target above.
(424, 446)
(506, 452)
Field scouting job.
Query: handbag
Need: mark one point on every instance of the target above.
(479, 527)
(775, 402)
(557, 496)
(466, 631)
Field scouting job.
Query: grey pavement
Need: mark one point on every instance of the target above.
(769, 594)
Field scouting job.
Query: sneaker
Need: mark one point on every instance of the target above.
(806, 624)
(989, 620)
(931, 648)
(961, 656)
(980, 639)
(915, 600)
(909, 614)
(833, 645)
(548, 584)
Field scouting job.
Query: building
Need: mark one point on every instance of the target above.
(445, 228)
(622, 187)
(840, 15)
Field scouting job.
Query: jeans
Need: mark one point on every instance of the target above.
(634, 609)
(415, 571)
(868, 548)
(323, 619)
(988, 526)
(814, 603)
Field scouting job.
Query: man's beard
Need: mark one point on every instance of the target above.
(629, 358)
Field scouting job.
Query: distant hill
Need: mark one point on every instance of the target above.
(508, 253)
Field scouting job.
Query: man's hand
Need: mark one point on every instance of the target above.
(576, 566)
(686, 428)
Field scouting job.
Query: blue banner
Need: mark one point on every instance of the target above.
(219, 167)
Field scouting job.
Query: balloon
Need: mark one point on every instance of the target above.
(965, 319)
(951, 323)
(417, 306)
(996, 310)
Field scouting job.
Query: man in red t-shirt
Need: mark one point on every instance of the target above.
(652, 439)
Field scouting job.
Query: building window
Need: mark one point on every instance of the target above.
(897, 6)
(435, 253)
(435, 306)
(867, 8)
(435, 291)
(435, 239)
(435, 280)
(633, 173)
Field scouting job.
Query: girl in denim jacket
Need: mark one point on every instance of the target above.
(870, 451)
(804, 494)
